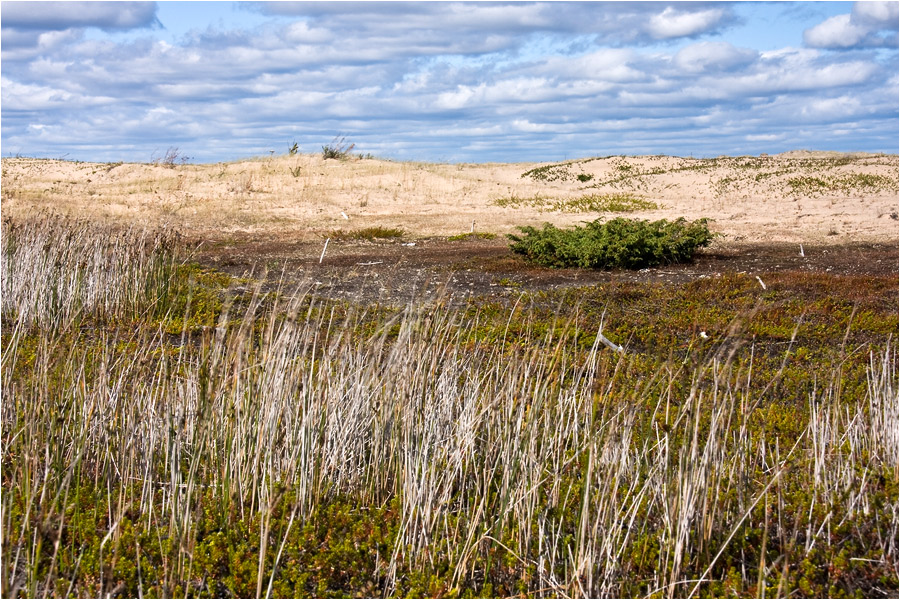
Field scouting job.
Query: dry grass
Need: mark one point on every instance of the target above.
(532, 461)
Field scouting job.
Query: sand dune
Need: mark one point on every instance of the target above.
(801, 197)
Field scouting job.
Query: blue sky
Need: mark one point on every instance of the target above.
(454, 81)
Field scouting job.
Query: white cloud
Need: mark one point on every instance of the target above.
(672, 23)
(840, 107)
(881, 15)
(68, 15)
(436, 81)
(869, 24)
(608, 64)
(837, 32)
(713, 56)
(30, 98)
(766, 137)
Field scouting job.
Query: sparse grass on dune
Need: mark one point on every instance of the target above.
(299, 447)
(300, 195)
(376, 232)
(615, 203)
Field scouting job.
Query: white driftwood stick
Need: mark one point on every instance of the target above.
(761, 282)
(321, 258)
(610, 344)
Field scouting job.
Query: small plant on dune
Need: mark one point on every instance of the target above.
(550, 173)
(619, 243)
(338, 149)
(172, 157)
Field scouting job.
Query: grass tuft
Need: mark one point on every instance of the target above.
(472, 235)
(373, 233)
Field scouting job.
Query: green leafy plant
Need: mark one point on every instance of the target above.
(619, 243)
(292, 151)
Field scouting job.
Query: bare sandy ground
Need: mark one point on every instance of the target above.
(798, 197)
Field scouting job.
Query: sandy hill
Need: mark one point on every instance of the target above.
(794, 197)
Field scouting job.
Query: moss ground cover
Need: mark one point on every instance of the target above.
(284, 445)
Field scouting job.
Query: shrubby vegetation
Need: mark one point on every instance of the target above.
(586, 203)
(619, 243)
(338, 149)
(302, 447)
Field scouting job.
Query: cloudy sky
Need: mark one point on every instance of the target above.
(456, 81)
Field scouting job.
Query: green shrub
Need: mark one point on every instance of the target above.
(623, 243)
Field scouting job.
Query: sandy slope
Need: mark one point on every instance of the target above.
(795, 197)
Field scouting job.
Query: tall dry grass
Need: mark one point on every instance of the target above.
(593, 477)
(56, 273)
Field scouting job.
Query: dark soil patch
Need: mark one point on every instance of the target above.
(397, 271)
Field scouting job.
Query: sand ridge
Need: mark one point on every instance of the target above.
(797, 197)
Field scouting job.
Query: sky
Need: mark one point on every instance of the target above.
(446, 81)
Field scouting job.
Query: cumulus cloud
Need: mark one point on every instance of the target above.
(869, 24)
(610, 22)
(713, 56)
(57, 16)
(675, 23)
(440, 81)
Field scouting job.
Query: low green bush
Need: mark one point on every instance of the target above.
(619, 243)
